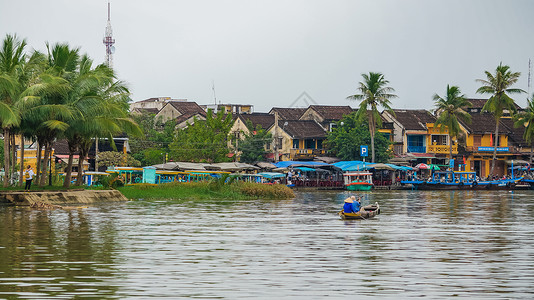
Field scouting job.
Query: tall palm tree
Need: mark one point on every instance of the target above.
(100, 104)
(373, 92)
(11, 57)
(450, 110)
(499, 86)
(526, 118)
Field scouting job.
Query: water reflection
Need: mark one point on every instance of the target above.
(55, 252)
(437, 244)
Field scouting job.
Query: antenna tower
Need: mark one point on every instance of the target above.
(109, 41)
(528, 93)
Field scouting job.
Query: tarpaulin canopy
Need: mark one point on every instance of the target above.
(352, 165)
(270, 175)
(381, 167)
(400, 168)
(308, 164)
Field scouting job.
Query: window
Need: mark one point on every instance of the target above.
(477, 140)
(319, 144)
(416, 143)
(439, 139)
(309, 144)
(295, 144)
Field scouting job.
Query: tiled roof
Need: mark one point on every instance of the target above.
(414, 119)
(265, 120)
(146, 110)
(328, 112)
(288, 113)
(481, 123)
(302, 129)
(516, 133)
(479, 103)
(61, 147)
(187, 107)
(186, 117)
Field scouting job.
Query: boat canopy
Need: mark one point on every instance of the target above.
(270, 175)
(352, 165)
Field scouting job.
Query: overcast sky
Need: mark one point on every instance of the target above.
(267, 53)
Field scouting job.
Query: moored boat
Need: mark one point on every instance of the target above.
(449, 180)
(358, 181)
(369, 211)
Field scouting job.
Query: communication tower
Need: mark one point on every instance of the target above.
(108, 42)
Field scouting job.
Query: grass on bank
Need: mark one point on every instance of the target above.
(207, 190)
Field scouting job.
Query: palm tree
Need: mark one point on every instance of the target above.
(100, 103)
(373, 92)
(499, 86)
(11, 57)
(526, 118)
(450, 110)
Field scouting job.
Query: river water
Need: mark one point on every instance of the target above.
(438, 244)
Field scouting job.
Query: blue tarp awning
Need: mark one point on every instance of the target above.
(305, 169)
(400, 168)
(270, 175)
(309, 164)
(352, 165)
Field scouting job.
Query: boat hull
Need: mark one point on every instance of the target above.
(370, 211)
(483, 185)
(359, 187)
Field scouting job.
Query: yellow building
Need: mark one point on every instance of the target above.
(298, 139)
(480, 143)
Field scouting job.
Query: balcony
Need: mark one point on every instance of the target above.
(442, 149)
(305, 154)
(416, 149)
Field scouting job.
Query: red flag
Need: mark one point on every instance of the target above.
(464, 160)
(491, 139)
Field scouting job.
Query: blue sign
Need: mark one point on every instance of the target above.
(499, 149)
(451, 164)
(364, 151)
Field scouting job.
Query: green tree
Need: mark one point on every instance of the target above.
(114, 158)
(204, 140)
(373, 92)
(450, 110)
(526, 119)
(351, 133)
(499, 86)
(252, 147)
(11, 57)
(151, 148)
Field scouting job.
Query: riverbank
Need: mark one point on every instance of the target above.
(44, 199)
(207, 190)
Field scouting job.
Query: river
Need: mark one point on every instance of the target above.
(436, 244)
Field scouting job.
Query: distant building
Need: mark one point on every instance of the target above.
(285, 113)
(326, 115)
(229, 108)
(181, 112)
(152, 103)
(298, 139)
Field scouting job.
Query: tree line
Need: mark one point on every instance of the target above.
(60, 94)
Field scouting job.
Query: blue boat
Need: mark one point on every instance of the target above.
(455, 180)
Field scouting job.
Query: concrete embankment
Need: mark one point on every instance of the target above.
(59, 198)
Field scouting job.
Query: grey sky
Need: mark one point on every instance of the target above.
(266, 53)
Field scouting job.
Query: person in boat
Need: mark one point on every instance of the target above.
(352, 205)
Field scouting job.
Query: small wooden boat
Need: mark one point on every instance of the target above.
(369, 211)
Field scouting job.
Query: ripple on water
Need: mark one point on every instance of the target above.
(433, 244)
